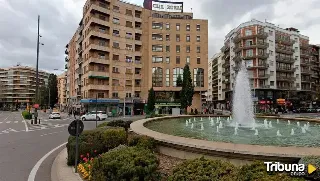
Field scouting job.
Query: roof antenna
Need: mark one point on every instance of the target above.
(18, 64)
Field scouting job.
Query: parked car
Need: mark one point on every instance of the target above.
(101, 115)
(54, 115)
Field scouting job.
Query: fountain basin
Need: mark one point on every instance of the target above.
(185, 148)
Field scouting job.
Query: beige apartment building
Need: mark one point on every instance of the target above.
(121, 50)
(18, 85)
(62, 90)
(281, 63)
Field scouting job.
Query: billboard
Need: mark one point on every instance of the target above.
(164, 6)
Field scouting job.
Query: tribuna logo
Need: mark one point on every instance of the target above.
(294, 169)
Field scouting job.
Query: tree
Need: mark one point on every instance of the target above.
(151, 101)
(179, 81)
(53, 86)
(43, 96)
(187, 91)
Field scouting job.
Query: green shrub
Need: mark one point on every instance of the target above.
(142, 141)
(105, 124)
(26, 115)
(254, 171)
(131, 163)
(315, 161)
(120, 123)
(202, 169)
(94, 142)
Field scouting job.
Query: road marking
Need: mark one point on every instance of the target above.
(36, 167)
(25, 124)
(6, 118)
(16, 121)
(51, 133)
(0, 122)
(8, 122)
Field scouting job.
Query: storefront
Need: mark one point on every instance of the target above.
(108, 105)
(166, 108)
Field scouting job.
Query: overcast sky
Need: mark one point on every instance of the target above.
(60, 18)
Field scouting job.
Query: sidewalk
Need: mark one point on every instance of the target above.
(60, 171)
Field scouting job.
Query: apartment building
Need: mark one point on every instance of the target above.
(62, 90)
(127, 49)
(18, 85)
(278, 62)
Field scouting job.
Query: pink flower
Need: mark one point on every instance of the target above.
(95, 151)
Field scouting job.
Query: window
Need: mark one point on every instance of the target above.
(296, 57)
(188, 38)
(100, 95)
(156, 25)
(157, 48)
(296, 49)
(157, 77)
(101, 55)
(271, 52)
(167, 37)
(167, 59)
(177, 60)
(248, 32)
(102, 42)
(168, 77)
(198, 38)
(198, 27)
(198, 49)
(115, 57)
(116, 21)
(156, 59)
(168, 48)
(129, 24)
(176, 73)
(188, 48)
(271, 73)
(115, 70)
(157, 37)
(198, 60)
(128, 94)
(177, 37)
(270, 33)
(198, 77)
(188, 27)
(270, 42)
(167, 26)
(115, 94)
(128, 12)
(128, 35)
(101, 68)
(116, 8)
(271, 63)
(249, 53)
(102, 30)
(297, 85)
(178, 27)
(116, 45)
(188, 60)
(178, 48)
(271, 83)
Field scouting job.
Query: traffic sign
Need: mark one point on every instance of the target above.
(72, 128)
(36, 106)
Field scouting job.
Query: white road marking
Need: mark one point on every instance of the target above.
(25, 124)
(8, 122)
(36, 167)
(6, 118)
(0, 122)
(51, 133)
(16, 121)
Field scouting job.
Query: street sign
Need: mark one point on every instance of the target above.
(36, 106)
(72, 128)
(255, 99)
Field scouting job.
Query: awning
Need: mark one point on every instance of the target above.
(98, 77)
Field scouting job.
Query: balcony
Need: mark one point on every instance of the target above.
(284, 50)
(315, 52)
(261, 45)
(67, 59)
(259, 66)
(304, 54)
(287, 79)
(304, 46)
(260, 34)
(117, 87)
(99, 47)
(305, 63)
(226, 73)
(104, 35)
(261, 76)
(285, 59)
(96, 20)
(225, 48)
(137, 88)
(80, 39)
(104, 61)
(264, 87)
(101, 7)
(226, 64)
(305, 80)
(286, 87)
(284, 41)
(285, 69)
(97, 87)
(137, 76)
(79, 60)
(66, 52)
(259, 55)
(98, 75)
(306, 72)
(306, 88)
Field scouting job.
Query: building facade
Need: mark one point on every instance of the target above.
(281, 63)
(18, 86)
(62, 91)
(127, 49)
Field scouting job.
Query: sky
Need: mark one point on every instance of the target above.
(60, 18)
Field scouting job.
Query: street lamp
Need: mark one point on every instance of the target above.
(37, 72)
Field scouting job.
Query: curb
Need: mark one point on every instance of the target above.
(60, 171)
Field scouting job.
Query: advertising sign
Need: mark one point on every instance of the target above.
(167, 6)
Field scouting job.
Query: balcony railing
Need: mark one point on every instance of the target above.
(286, 87)
(304, 46)
(261, 34)
(285, 59)
(259, 55)
(285, 69)
(261, 45)
(284, 50)
(285, 41)
(285, 78)
(306, 71)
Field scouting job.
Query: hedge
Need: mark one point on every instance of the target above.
(126, 163)
(26, 115)
(95, 142)
(143, 142)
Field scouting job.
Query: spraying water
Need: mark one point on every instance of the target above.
(242, 107)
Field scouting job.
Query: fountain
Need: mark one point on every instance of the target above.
(235, 131)
(265, 122)
(288, 122)
(270, 124)
(201, 119)
(298, 124)
(220, 125)
(202, 128)
(191, 125)
(278, 133)
(187, 123)
(292, 131)
(212, 122)
(242, 108)
(217, 129)
(194, 119)
(277, 121)
(303, 130)
(217, 120)
(256, 133)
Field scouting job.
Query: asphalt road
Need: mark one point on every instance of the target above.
(22, 145)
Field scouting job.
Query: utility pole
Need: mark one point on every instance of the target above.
(124, 106)
(37, 73)
(49, 97)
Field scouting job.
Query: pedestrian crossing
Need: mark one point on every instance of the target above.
(10, 122)
(45, 126)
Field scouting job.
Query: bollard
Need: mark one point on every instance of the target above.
(39, 121)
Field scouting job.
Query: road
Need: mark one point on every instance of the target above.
(22, 145)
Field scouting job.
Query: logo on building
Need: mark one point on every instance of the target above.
(293, 169)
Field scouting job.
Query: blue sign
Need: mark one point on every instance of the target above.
(99, 100)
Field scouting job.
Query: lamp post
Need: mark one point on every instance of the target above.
(37, 72)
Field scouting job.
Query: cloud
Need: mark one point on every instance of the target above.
(60, 18)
